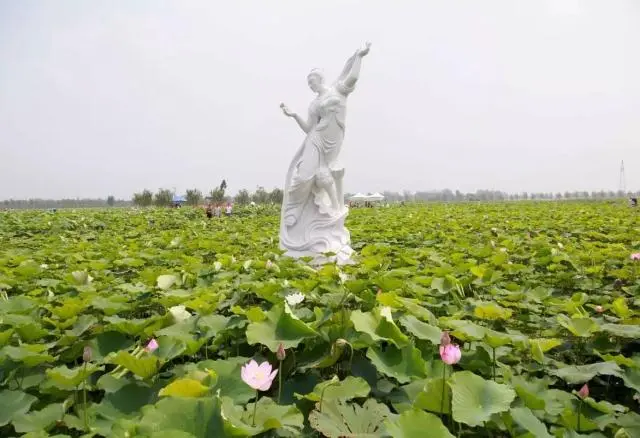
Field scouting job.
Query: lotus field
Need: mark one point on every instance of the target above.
(473, 320)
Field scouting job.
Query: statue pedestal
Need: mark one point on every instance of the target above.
(341, 258)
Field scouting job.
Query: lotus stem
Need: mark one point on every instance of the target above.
(579, 414)
(255, 408)
(322, 395)
(493, 365)
(280, 382)
(84, 396)
(444, 377)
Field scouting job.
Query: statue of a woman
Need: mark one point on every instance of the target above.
(313, 210)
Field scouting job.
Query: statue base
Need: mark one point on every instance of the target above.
(343, 257)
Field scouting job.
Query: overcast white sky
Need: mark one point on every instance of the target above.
(110, 97)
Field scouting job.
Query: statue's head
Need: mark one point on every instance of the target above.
(315, 79)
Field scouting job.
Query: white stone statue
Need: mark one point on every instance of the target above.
(313, 210)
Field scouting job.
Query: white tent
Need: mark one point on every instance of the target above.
(358, 197)
(375, 197)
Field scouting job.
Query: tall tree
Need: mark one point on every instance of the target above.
(143, 199)
(194, 197)
(243, 197)
(276, 196)
(163, 198)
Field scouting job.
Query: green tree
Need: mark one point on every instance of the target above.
(243, 197)
(217, 194)
(276, 196)
(261, 196)
(111, 201)
(163, 198)
(194, 197)
(143, 199)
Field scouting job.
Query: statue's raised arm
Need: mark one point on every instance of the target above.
(351, 70)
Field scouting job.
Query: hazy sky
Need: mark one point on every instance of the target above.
(111, 97)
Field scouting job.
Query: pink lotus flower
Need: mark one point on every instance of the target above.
(259, 377)
(450, 354)
(635, 256)
(599, 309)
(584, 391)
(151, 346)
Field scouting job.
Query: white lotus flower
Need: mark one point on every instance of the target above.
(179, 313)
(217, 266)
(294, 298)
(44, 266)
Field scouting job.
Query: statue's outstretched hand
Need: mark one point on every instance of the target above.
(286, 110)
(365, 50)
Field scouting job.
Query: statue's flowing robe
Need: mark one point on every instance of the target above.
(310, 223)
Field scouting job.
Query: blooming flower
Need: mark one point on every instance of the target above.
(259, 377)
(635, 256)
(151, 346)
(584, 391)
(179, 313)
(294, 298)
(599, 309)
(269, 264)
(450, 354)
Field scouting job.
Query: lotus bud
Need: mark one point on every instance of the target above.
(86, 354)
(584, 391)
(280, 353)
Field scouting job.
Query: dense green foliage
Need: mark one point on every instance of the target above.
(516, 285)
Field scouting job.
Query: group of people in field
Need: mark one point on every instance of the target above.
(212, 210)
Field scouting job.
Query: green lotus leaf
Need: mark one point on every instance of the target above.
(338, 419)
(583, 327)
(42, 420)
(280, 327)
(575, 374)
(193, 417)
(184, 388)
(144, 366)
(379, 326)
(431, 397)
(404, 364)
(415, 423)
(421, 330)
(30, 355)
(14, 404)
(529, 422)
(335, 389)
(70, 378)
(475, 399)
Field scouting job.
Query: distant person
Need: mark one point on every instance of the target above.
(218, 210)
(633, 202)
(209, 211)
(228, 209)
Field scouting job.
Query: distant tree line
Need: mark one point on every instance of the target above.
(218, 195)
(37, 203)
(447, 195)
